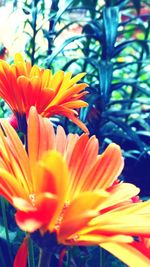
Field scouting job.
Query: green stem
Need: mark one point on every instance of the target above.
(53, 8)
(34, 21)
(44, 259)
(31, 254)
(6, 226)
(68, 258)
(40, 257)
(3, 260)
(100, 257)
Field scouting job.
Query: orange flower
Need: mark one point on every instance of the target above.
(23, 86)
(62, 186)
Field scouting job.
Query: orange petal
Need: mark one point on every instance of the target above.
(22, 255)
(54, 179)
(61, 140)
(127, 253)
(79, 212)
(17, 155)
(75, 104)
(82, 159)
(52, 175)
(106, 170)
(33, 130)
(119, 222)
(12, 186)
(33, 220)
(67, 95)
(96, 239)
(120, 193)
(64, 111)
(44, 136)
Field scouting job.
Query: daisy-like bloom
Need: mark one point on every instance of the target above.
(64, 189)
(23, 86)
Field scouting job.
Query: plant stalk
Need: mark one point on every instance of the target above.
(5, 222)
(31, 254)
(44, 259)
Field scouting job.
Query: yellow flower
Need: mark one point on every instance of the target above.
(23, 86)
(63, 187)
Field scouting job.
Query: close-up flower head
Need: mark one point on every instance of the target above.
(23, 86)
(64, 187)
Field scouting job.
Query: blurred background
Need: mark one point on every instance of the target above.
(110, 41)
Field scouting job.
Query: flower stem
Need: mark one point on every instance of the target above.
(100, 257)
(3, 260)
(31, 254)
(68, 258)
(6, 227)
(44, 259)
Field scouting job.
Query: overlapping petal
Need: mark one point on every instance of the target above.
(62, 185)
(134, 254)
(21, 257)
(23, 86)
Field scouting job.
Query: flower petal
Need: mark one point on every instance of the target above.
(32, 220)
(106, 170)
(16, 155)
(127, 253)
(22, 255)
(23, 86)
(80, 212)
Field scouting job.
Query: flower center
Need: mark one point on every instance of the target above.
(60, 217)
(32, 198)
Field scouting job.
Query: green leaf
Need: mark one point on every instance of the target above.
(95, 29)
(110, 19)
(137, 5)
(60, 48)
(132, 134)
(66, 27)
(143, 90)
(105, 78)
(64, 5)
(120, 47)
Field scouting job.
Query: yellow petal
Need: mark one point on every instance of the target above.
(18, 57)
(56, 82)
(128, 254)
(95, 239)
(73, 81)
(52, 176)
(79, 212)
